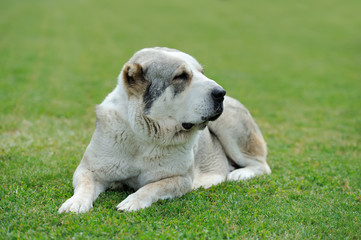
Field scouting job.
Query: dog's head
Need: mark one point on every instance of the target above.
(172, 84)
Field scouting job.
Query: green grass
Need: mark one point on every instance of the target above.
(295, 64)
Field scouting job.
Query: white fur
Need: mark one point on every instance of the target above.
(153, 153)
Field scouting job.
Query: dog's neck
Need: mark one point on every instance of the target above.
(166, 131)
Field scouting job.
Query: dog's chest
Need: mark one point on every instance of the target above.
(147, 157)
(120, 154)
(138, 163)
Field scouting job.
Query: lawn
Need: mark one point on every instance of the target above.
(296, 65)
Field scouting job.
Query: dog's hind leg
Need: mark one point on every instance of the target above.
(211, 165)
(241, 140)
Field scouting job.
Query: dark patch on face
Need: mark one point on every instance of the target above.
(181, 80)
(154, 90)
(178, 88)
(162, 73)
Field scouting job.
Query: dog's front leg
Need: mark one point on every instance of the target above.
(86, 190)
(152, 192)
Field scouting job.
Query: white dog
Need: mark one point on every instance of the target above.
(161, 132)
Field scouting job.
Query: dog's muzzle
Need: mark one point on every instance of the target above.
(217, 95)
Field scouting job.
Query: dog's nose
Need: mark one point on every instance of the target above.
(218, 94)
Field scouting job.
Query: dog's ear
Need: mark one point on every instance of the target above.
(134, 80)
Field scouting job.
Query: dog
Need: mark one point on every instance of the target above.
(164, 130)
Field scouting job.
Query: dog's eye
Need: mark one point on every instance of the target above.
(182, 76)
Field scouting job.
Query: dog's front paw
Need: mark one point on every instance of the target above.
(133, 203)
(241, 174)
(76, 205)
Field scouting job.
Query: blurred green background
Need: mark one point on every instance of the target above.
(295, 64)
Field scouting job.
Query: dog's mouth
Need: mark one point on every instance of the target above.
(205, 120)
(187, 126)
(215, 115)
(200, 126)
